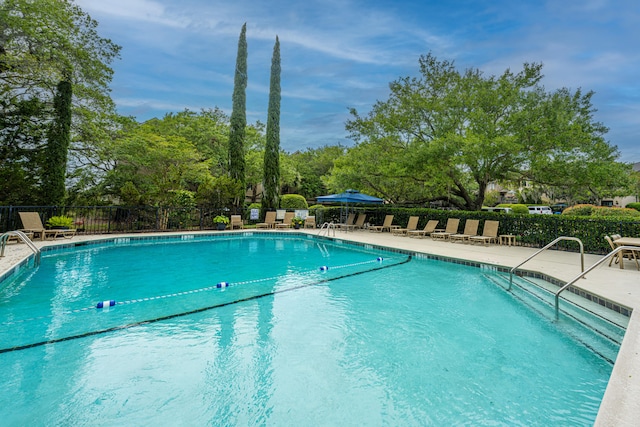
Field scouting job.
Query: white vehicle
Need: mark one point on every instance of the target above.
(544, 210)
(500, 210)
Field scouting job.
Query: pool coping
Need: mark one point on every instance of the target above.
(619, 405)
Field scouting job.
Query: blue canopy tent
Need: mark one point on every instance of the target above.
(350, 196)
(347, 198)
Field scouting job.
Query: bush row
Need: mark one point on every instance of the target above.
(530, 230)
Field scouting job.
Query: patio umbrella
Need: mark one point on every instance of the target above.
(349, 197)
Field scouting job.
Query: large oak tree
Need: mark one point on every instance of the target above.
(446, 134)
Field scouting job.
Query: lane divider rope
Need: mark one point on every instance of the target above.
(177, 294)
(199, 310)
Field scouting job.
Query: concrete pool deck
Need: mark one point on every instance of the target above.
(621, 403)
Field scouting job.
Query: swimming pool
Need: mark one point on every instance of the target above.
(397, 341)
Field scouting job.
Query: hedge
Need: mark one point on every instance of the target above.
(530, 230)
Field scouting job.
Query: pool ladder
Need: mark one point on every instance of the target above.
(575, 239)
(584, 273)
(25, 239)
(326, 228)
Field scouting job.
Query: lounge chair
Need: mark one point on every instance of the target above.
(33, 224)
(386, 225)
(358, 224)
(310, 221)
(489, 233)
(470, 230)
(350, 221)
(236, 222)
(411, 226)
(451, 228)
(427, 230)
(269, 220)
(286, 221)
(622, 254)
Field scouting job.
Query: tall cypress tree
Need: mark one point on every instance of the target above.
(58, 141)
(272, 150)
(238, 120)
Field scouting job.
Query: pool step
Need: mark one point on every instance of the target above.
(601, 332)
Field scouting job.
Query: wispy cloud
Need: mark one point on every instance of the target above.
(341, 53)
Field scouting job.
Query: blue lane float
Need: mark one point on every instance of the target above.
(324, 268)
(105, 304)
(379, 259)
(222, 285)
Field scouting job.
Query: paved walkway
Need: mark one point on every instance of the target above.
(621, 403)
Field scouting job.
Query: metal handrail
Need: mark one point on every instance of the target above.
(25, 239)
(584, 273)
(326, 227)
(545, 248)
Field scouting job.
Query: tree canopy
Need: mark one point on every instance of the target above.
(445, 135)
(42, 43)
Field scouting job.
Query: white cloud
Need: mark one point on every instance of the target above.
(134, 10)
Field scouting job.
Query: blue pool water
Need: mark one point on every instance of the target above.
(401, 341)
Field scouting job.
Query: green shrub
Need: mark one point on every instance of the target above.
(221, 219)
(60, 221)
(517, 208)
(293, 201)
(634, 205)
(314, 208)
(579, 210)
(604, 211)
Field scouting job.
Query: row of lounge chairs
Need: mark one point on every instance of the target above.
(450, 232)
(270, 221)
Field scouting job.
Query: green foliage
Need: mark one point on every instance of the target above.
(221, 219)
(297, 221)
(130, 195)
(313, 166)
(272, 149)
(239, 114)
(519, 208)
(579, 210)
(156, 165)
(60, 221)
(445, 135)
(605, 211)
(43, 43)
(491, 198)
(293, 201)
(633, 205)
(181, 199)
(55, 159)
(313, 209)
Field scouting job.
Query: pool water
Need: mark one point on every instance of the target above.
(397, 341)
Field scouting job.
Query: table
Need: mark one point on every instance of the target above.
(628, 241)
(507, 239)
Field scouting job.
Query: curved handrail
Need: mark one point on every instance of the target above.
(584, 273)
(25, 239)
(545, 248)
(326, 227)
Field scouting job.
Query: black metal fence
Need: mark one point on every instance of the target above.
(529, 230)
(118, 219)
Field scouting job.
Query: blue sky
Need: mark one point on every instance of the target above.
(338, 54)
